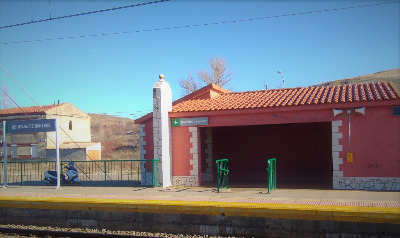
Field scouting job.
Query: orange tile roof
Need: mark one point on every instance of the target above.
(289, 97)
(35, 110)
(198, 94)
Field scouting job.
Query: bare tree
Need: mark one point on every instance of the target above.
(218, 75)
(189, 84)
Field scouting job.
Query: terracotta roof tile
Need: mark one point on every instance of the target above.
(324, 95)
(391, 93)
(355, 94)
(382, 91)
(290, 97)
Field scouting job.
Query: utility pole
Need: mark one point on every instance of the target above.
(283, 79)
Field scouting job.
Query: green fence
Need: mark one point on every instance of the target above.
(155, 172)
(222, 174)
(271, 169)
(91, 173)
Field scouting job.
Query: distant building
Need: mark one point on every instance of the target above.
(334, 137)
(74, 134)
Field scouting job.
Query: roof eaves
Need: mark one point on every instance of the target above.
(144, 118)
(35, 110)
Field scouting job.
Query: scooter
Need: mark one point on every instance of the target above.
(50, 177)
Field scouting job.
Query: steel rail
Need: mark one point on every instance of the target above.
(47, 233)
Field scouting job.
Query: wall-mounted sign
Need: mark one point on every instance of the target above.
(194, 121)
(31, 126)
(350, 157)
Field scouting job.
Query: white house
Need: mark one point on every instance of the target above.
(74, 134)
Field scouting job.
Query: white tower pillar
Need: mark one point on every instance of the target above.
(162, 104)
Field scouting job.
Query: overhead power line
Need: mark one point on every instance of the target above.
(201, 24)
(82, 14)
(19, 85)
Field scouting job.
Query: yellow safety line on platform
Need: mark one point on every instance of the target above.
(266, 210)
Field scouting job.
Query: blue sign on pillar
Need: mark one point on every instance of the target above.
(31, 126)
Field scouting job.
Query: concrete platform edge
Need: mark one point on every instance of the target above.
(237, 209)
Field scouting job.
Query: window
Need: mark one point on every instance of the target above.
(396, 111)
(70, 125)
(14, 151)
(34, 150)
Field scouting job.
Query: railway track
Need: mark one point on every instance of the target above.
(35, 231)
(49, 233)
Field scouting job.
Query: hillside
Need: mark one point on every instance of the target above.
(119, 136)
(392, 76)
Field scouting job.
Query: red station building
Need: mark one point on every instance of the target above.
(331, 137)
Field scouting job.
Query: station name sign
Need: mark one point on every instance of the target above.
(31, 126)
(194, 121)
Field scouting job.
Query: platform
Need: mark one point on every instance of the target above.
(326, 211)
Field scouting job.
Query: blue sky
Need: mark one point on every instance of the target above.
(115, 73)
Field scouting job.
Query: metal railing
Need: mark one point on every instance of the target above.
(91, 173)
(155, 181)
(271, 170)
(222, 174)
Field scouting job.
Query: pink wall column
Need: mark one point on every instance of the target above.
(185, 154)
